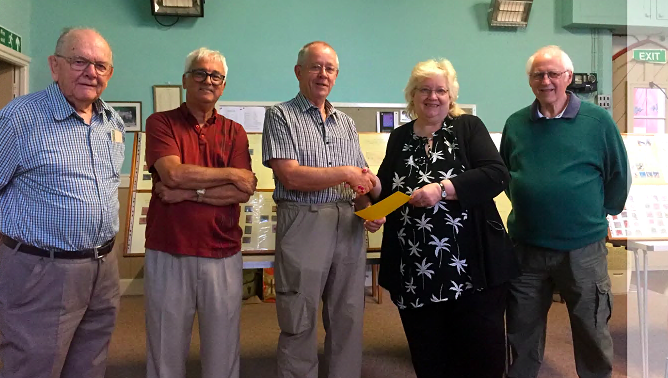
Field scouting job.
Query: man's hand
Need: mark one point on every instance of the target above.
(361, 180)
(169, 195)
(245, 181)
(374, 225)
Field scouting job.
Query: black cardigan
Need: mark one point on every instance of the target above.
(485, 177)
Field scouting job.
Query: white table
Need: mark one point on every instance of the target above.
(640, 248)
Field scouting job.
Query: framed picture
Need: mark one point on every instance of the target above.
(130, 112)
(166, 97)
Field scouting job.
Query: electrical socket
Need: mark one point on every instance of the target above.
(603, 101)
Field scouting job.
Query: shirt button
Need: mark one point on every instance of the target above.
(330, 163)
(328, 142)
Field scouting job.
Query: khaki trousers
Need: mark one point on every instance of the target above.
(56, 315)
(177, 286)
(319, 254)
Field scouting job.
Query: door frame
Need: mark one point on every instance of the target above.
(22, 62)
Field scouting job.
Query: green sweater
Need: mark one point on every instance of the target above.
(566, 174)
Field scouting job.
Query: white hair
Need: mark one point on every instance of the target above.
(550, 52)
(205, 54)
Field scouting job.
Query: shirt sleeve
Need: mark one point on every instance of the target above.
(617, 172)
(9, 151)
(160, 141)
(277, 142)
(240, 155)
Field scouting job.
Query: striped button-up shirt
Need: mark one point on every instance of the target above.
(59, 176)
(295, 130)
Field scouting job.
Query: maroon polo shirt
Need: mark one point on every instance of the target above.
(192, 228)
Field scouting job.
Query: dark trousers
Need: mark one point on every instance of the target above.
(459, 338)
(581, 276)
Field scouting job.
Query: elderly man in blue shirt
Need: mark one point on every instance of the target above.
(61, 150)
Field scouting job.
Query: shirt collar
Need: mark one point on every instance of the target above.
(188, 116)
(303, 104)
(569, 112)
(63, 109)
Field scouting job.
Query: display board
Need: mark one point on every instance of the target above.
(645, 215)
(258, 215)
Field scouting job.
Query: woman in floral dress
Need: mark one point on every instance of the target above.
(430, 262)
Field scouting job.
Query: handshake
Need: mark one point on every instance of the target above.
(361, 180)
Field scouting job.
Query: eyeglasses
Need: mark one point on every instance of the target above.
(317, 68)
(426, 92)
(201, 75)
(538, 76)
(79, 63)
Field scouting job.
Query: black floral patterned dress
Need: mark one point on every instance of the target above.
(433, 263)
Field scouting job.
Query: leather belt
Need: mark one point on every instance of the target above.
(92, 253)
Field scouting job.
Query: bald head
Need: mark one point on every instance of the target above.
(304, 51)
(71, 37)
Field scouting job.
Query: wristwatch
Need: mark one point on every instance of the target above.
(200, 194)
(444, 194)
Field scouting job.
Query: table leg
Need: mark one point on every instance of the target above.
(641, 283)
(644, 302)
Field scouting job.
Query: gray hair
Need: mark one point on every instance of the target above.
(551, 51)
(205, 54)
(427, 69)
(65, 35)
(301, 56)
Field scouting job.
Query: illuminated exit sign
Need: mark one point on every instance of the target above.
(650, 56)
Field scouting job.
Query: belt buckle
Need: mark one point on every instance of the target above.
(97, 255)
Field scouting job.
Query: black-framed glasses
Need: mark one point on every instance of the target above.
(538, 76)
(79, 63)
(317, 68)
(426, 92)
(201, 75)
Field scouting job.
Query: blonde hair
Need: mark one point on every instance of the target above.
(430, 68)
(205, 54)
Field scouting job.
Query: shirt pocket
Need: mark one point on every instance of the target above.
(116, 155)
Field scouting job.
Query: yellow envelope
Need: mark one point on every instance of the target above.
(384, 207)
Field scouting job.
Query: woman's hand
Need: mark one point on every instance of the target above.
(426, 196)
(374, 225)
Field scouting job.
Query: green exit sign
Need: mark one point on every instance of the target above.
(9, 39)
(650, 56)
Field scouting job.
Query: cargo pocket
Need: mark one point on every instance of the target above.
(292, 312)
(603, 302)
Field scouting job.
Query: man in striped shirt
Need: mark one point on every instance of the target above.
(61, 150)
(319, 171)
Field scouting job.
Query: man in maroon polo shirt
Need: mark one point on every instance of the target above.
(201, 172)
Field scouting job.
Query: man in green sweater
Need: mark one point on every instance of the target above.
(568, 169)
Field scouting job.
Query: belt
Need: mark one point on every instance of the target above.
(92, 253)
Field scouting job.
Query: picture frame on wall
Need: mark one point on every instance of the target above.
(167, 97)
(130, 112)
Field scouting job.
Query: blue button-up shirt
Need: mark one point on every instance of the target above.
(59, 176)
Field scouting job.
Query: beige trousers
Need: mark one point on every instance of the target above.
(175, 287)
(319, 254)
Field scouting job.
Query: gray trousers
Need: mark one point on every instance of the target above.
(56, 315)
(581, 276)
(176, 286)
(319, 254)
